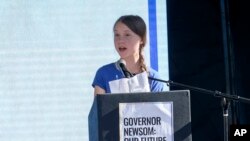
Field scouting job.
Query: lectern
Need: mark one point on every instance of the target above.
(103, 118)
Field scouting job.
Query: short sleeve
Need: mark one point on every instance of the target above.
(105, 74)
(99, 80)
(156, 86)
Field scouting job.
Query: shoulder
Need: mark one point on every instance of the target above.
(108, 68)
(155, 86)
(109, 72)
(104, 74)
(153, 73)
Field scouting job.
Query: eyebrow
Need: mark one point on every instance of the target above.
(124, 30)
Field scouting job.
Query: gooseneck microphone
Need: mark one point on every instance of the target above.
(125, 71)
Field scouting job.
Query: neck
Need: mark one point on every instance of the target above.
(133, 65)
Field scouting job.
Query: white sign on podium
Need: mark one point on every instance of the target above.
(146, 121)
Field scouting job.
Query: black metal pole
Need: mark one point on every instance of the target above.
(229, 67)
(225, 106)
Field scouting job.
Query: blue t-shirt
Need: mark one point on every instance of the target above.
(111, 72)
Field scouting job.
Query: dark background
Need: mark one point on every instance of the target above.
(197, 58)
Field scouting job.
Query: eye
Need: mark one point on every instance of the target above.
(117, 35)
(127, 35)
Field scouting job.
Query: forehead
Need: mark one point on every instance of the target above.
(121, 27)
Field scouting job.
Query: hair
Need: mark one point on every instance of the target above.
(138, 26)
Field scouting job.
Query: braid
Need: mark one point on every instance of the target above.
(142, 62)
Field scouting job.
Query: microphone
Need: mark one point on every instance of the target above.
(125, 71)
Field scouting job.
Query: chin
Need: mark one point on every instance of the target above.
(122, 56)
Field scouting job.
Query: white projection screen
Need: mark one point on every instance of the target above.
(49, 53)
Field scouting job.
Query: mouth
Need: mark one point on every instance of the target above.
(121, 49)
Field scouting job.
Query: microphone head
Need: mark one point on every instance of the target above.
(122, 64)
(122, 61)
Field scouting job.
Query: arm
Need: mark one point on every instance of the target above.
(98, 90)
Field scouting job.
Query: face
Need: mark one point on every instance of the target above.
(126, 42)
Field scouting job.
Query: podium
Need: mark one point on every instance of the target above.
(103, 117)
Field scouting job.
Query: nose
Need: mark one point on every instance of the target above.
(119, 39)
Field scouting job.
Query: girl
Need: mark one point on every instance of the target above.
(129, 40)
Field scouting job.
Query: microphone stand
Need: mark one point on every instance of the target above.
(226, 98)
